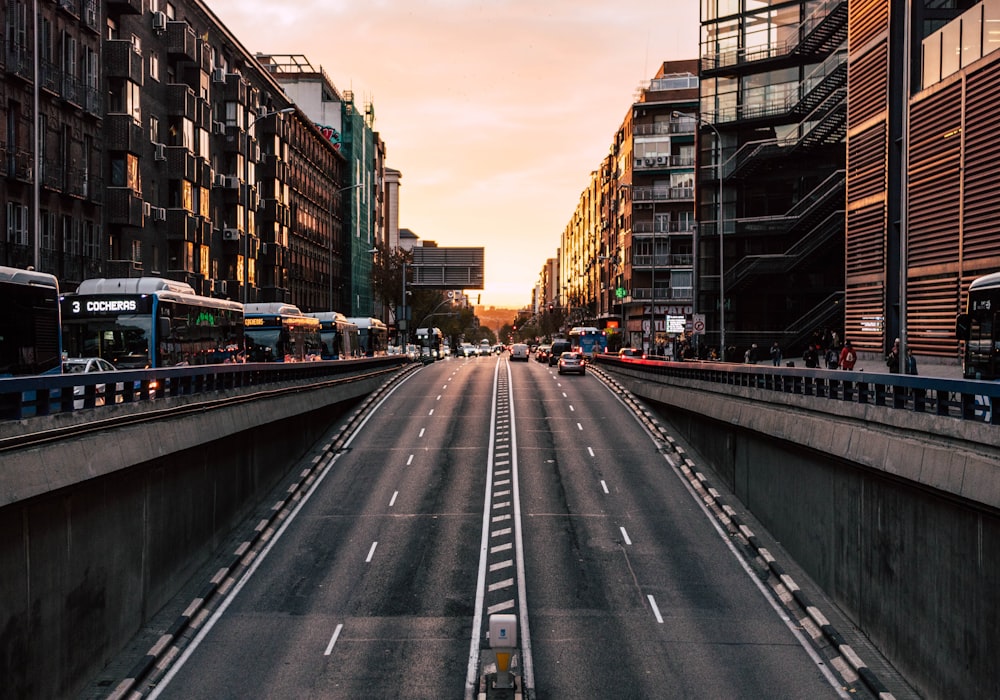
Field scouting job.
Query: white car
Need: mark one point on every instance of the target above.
(87, 365)
(467, 350)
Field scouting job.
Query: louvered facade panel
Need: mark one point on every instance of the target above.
(866, 241)
(863, 316)
(866, 20)
(867, 86)
(935, 179)
(981, 205)
(931, 304)
(866, 158)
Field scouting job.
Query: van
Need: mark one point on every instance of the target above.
(558, 348)
(519, 351)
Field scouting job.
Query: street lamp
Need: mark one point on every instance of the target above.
(337, 193)
(246, 214)
(718, 224)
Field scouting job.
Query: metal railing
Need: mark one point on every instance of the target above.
(960, 399)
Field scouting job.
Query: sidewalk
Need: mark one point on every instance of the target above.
(926, 367)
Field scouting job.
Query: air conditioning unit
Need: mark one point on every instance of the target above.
(219, 128)
(638, 163)
(159, 214)
(220, 180)
(230, 182)
(650, 161)
(661, 160)
(219, 75)
(230, 234)
(159, 21)
(159, 151)
(147, 209)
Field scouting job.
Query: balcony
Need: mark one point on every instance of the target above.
(661, 261)
(662, 162)
(663, 194)
(182, 225)
(124, 134)
(121, 60)
(664, 294)
(124, 207)
(181, 41)
(181, 164)
(182, 102)
(649, 229)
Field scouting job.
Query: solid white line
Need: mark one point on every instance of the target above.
(656, 610)
(625, 535)
(333, 640)
(371, 552)
(604, 486)
(392, 501)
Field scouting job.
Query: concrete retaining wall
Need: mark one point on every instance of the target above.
(100, 532)
(894, 514)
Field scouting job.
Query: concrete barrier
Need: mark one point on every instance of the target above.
(896, 515)
(100, 531)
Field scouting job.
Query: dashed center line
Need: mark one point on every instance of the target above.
(422, 430)
(392, 501)
(604, 486)
(333, 640)
(625, 536)
(371, 552)
(656, 610)
(409, 461)
(591, 451)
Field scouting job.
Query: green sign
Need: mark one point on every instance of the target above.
(620, 293)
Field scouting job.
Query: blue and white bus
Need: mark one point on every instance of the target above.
(141, 322)
(588, 340)
(277, 332)
(338, 335)
(373, 335)
(30, 341)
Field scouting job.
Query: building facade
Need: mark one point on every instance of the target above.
(773, 122)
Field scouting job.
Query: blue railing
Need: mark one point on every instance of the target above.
(43, 395)
(962, 399)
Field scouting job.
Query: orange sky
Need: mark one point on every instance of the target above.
(495, 111)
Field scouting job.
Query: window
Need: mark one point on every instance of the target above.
(154, 66)
(91, 239)
(71, 243)
(17, 223)
(125, 171)
(48, 241)
(137, 251)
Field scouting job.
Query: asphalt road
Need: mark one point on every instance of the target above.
(374, 588)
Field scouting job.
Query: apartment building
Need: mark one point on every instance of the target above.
(192, 163)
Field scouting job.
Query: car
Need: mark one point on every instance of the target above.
(519, 351)
(572, 362)
(626, 353)
(557, 349)
(467, 350)
(88, 365)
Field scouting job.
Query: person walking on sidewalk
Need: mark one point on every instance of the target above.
(847, 356)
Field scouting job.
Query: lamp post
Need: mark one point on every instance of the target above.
(336, 194)
(246, 215)
(719, 228)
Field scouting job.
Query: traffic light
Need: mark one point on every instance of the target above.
(550, 308)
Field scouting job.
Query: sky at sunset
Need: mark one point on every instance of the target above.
(495, 111)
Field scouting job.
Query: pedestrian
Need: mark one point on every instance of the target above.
(776, 354)
(832, 358)
(750, 356)
(911, 362)
(847, 356)
(892, 359)
(811, 356)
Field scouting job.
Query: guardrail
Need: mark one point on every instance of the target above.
(48, 394)
(962, 399)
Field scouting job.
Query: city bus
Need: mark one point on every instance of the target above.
(150, 322)
(588, 340)
(978, 328)
(30, 341)
(277, 332)
(430, 340)
(338, 335)
(372, 334)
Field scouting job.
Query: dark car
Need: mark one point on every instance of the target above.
(570, 362)
(542, 353)
(557, 349)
